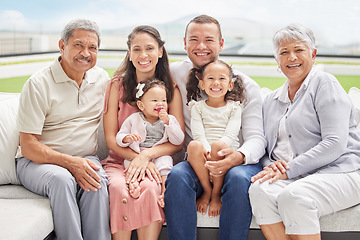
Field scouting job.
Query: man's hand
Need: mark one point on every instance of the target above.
(231, 159)
(83, 171)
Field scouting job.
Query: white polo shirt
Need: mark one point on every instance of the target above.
(65, 115)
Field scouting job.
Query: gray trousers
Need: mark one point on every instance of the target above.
(77, 214)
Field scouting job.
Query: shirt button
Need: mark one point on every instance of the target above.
(124, 200)
(125, 218)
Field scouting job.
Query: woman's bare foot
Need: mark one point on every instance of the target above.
(134, 189)
(202, 202)
(215, 205)
(161, 200)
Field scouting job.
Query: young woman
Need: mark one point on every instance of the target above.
(146, 59)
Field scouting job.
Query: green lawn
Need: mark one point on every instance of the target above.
(15, 84)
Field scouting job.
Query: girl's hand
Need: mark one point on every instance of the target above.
(137, 168)
(132, 138)
(269, 173)
(163, 115)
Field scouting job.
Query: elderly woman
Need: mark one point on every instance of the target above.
(312, 163)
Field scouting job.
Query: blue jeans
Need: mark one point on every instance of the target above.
(183, 188)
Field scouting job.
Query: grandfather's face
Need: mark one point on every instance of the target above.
(295, 60)
(203, 43)
(80, 53)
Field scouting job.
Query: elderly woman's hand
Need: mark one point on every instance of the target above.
(280, 165)
(269, 173)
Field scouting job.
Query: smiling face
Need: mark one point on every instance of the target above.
(79, 54)
(216, 81)
(295, 60)
(151, 102)
(203, 43)
(144, 53)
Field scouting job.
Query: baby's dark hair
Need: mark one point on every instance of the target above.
(194, 91)
(153, 83)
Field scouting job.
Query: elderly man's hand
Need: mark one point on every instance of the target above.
(84, 173)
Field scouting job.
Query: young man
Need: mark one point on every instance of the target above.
(203, 43)
(59, 114)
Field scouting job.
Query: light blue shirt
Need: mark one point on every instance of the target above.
(320, 124)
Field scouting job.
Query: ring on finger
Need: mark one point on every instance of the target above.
(138, 170)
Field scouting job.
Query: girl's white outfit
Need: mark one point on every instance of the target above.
(136, 123)
(209, 124)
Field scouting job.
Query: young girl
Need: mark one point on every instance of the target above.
(215, 124)
(150, 127)
(146, 59)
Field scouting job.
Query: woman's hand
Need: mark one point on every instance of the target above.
(280, 165)
(153, 173)
(270, 173)
(136, 169)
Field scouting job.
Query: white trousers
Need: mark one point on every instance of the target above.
(299, 203)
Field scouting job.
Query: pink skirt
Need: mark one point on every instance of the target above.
(127, 213)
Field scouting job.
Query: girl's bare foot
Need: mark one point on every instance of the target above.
(215, 205)
(134, 189)
(161, 200)
(202, 202)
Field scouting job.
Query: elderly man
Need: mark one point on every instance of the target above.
(59, 114)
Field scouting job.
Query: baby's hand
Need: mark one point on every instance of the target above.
(163, 115)
(131, 138)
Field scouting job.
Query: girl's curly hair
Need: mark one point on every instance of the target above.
(194, 91)
(148, 84)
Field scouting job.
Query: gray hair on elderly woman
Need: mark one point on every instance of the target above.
(292, 32)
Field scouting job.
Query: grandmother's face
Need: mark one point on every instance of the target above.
(295, 59)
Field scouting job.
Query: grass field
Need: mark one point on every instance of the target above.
(15, 84)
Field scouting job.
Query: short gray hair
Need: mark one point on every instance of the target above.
(83, 24)
(294, 31)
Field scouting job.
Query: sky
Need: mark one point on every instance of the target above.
(336, 20)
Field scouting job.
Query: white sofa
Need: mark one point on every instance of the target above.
(25, 215)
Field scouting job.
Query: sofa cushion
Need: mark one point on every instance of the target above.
(354, 94)
(9, 137)
(17, 192)
(29, 219)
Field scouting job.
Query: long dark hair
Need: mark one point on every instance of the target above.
(194, 91)
(128, 72)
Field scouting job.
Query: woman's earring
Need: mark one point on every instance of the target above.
(279, 69)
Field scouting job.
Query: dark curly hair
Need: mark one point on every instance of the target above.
(154, 83)
(194, 91)
(128, 72)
